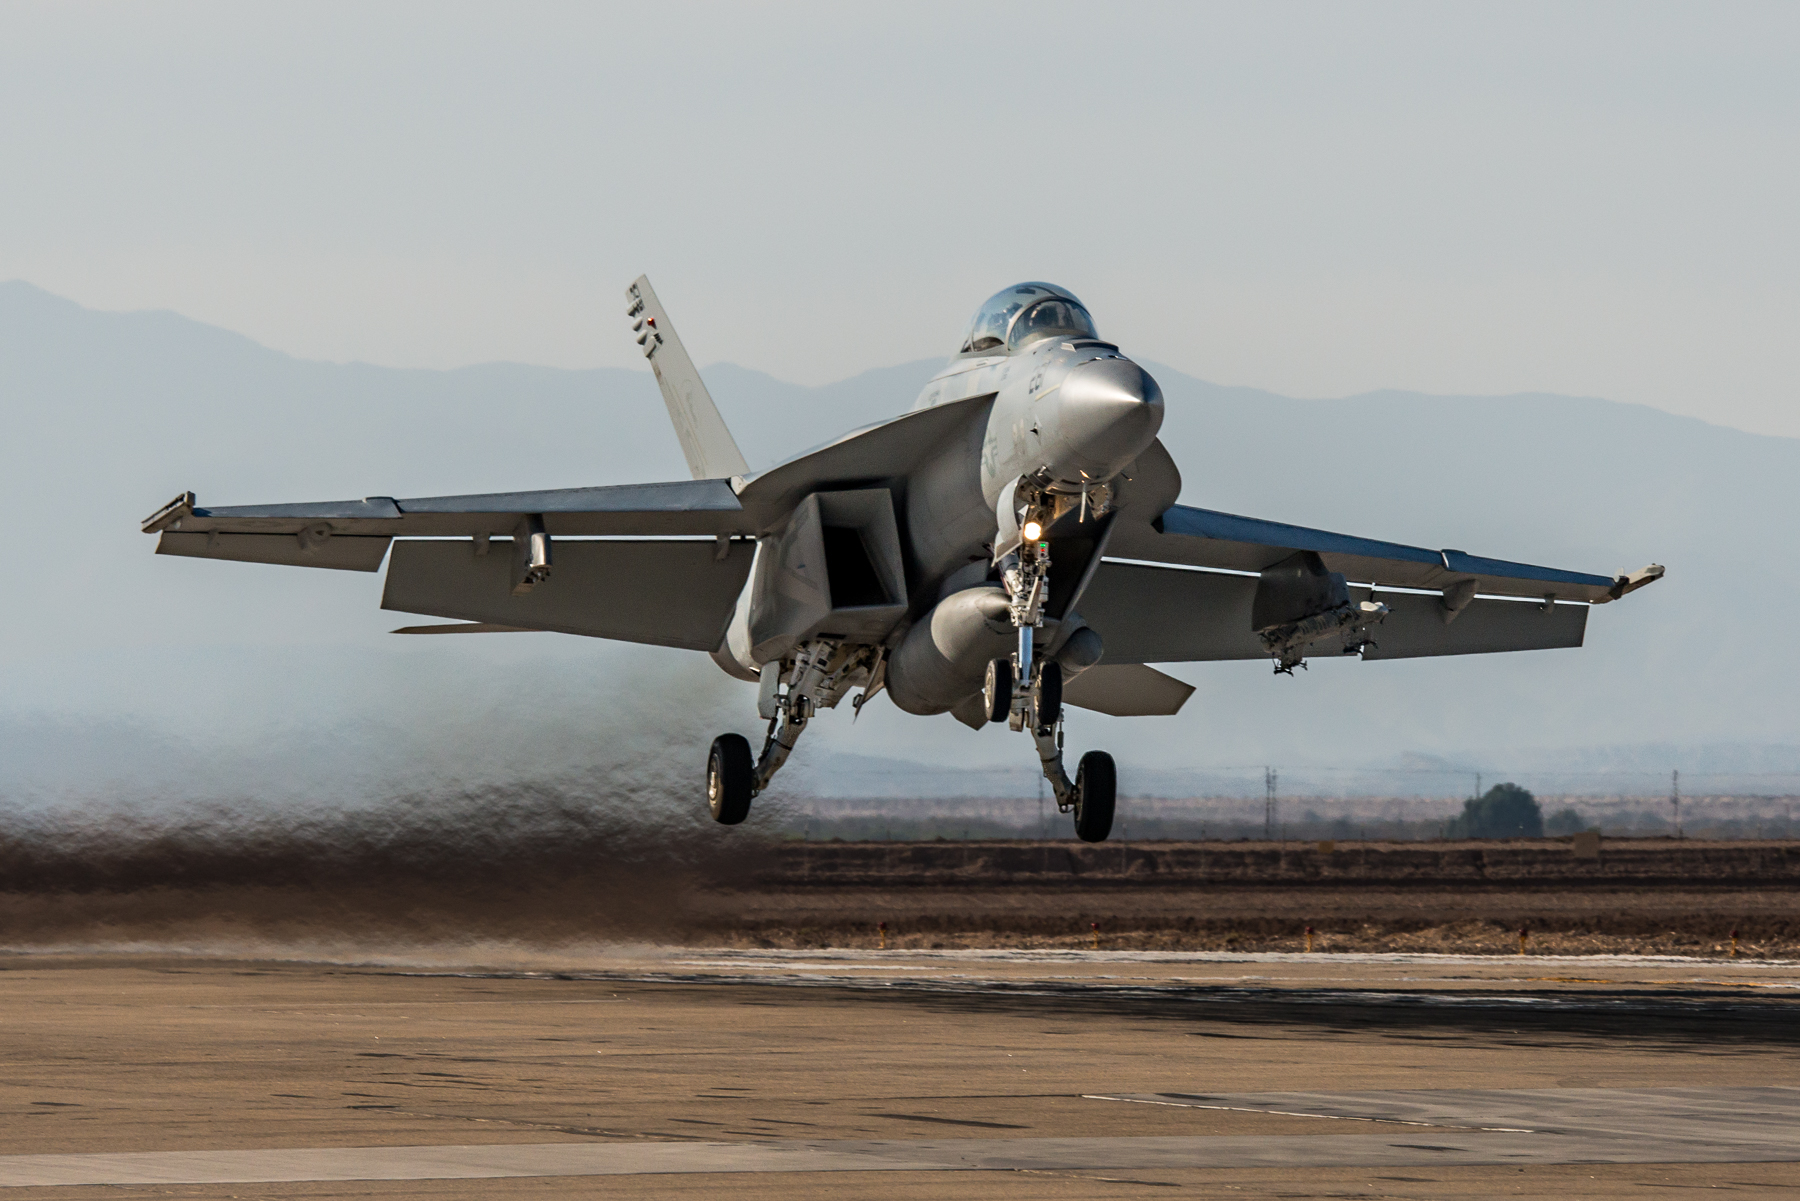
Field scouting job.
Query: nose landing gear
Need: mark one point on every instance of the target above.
(1030, 693)
(1096, 786)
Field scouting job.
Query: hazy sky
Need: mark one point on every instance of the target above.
(1312, 198)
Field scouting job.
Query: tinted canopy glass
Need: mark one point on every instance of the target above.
(1048, 318)
(998, 324)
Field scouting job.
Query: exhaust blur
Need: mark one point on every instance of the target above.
(548, 819)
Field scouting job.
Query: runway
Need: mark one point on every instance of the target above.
(1541, 979)
(672, 1071)
(1568, 1126)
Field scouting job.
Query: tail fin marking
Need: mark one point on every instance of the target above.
(711, 451)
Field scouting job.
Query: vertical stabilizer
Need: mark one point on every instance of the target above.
(711, 451)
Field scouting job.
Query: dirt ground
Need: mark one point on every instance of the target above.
(1442, 919)
(245, 919)
(1459, 938)
(1652, 897)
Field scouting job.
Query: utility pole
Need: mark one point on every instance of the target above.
(1675, 799)
(1269, 776)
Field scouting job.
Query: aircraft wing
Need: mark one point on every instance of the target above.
(1207, 538)
(1149, 614)
(354, 534)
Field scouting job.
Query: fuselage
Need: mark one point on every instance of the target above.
(1067, 413)
(1051, 415)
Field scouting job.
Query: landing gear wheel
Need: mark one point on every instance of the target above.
(1049, 695)
(729, 771)
(997, 689)
(1096, 783)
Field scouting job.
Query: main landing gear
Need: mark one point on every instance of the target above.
(730, 772)
(1027, 695)
(819, 675)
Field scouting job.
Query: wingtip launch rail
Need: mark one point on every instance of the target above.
(1008, 547)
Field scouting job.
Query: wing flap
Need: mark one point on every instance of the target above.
(662, 593)
(1127, 690)
(1168, 615)
(1206, 538)
(344, 553)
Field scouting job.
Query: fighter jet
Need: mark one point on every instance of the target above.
(1008, 548)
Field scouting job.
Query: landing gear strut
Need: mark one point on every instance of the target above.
(1034, 690)
(818, 676)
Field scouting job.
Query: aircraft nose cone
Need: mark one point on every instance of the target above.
(1110, 411)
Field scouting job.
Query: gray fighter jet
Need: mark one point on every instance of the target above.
(1009, 547)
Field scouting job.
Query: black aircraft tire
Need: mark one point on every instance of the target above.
(729, 771)
(997, 690)
(1096, 787)
(1049, 695)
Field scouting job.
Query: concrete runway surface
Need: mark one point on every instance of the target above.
(674, 1072)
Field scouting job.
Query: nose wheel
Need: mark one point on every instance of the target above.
(1096, 787)
(1093, 791)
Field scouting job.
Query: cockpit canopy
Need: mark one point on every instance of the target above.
(1023, 314)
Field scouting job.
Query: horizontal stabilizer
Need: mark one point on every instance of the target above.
(1127, 690)
(466, 627)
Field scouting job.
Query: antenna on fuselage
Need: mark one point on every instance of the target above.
(712, 453)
